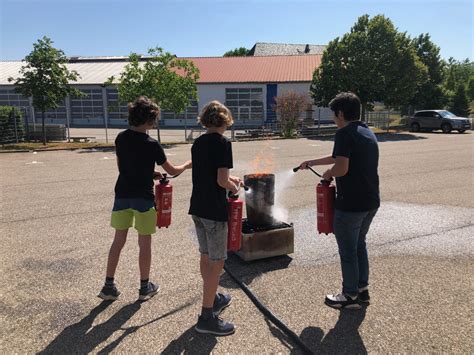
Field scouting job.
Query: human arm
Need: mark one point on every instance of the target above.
(178, 169)
(320, 161)
(340, 168)
(224, 181)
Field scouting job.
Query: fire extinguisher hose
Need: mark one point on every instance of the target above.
(267, 313)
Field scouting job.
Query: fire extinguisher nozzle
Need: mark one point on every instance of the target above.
(296, 169)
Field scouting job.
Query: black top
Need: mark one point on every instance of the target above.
(358, 190)
(137, 154)
(208, 200)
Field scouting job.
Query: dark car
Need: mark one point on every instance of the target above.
(438, 119)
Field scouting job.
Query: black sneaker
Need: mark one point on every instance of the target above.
(109, 293)
(221, 302)
(214, 326)
(147, 292)
(342, 301)
(364, 295)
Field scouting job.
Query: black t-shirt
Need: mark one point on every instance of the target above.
(358, 190)
(137, 154)
(208, 200)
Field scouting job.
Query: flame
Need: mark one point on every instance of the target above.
(264, 162)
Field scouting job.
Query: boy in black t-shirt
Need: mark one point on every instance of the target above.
(137, 154)
(355, 158)
(212, 159)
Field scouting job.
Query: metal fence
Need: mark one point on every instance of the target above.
(315, 124)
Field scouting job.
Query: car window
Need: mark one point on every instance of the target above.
(424, 114)
(447, 114)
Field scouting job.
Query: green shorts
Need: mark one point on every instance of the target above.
(137, 212)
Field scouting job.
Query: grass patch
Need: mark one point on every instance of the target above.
(53, 145)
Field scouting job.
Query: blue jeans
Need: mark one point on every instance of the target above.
(350, 229)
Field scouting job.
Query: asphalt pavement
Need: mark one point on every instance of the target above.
(55, 211)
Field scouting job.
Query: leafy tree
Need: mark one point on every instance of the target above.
(470, 88)
(431, 93)
(45, 78)
(457, 72)
(168, 80)
(237, 52)
(373, 60)
(289, 107)
(460, 103)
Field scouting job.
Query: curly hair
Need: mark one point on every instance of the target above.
(215, 114)
(142, 110)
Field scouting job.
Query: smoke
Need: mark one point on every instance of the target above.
(282, 180)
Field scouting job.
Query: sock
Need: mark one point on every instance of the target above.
(109, 281)
(144, 283)
(206, 313)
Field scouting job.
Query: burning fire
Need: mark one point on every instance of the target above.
(263, 163)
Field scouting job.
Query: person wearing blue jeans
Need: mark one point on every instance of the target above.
(355, 167)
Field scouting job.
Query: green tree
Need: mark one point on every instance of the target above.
(373, 60)
(460, 103)
(429, 95)
(168, 80)
(237, 52)
(45, 78)
(457, 72)
(470, 88)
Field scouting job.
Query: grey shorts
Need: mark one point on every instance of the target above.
(212, 238)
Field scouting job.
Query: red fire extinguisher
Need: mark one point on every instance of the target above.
(234, 223)
(163, 200)
(325, 195)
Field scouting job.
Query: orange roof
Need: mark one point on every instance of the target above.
(257, 69)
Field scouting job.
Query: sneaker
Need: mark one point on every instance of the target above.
(109, 293)
(214, 325)
(145, 293)
(342, 301)
(221, 302)
(364, 294)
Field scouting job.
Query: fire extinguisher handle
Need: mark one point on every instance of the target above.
(232, 195)
(326, 182)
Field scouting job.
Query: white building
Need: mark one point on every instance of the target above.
(247, 85)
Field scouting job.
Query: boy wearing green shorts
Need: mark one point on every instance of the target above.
(137, 154)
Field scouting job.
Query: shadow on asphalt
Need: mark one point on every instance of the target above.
(191, 342)
(248, 271)
(344, 338)
(81, 339)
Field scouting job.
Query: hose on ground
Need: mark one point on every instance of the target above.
(267, 313)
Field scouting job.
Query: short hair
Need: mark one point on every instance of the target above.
(348, 103)
(142, 110)
(215, 114)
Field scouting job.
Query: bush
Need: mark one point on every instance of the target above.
(9, 131)
(289, 107)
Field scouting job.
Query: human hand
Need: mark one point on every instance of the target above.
(305, 164)
(327, 175)
(236, 180)
(157, 175)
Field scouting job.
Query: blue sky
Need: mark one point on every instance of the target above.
(209, 28)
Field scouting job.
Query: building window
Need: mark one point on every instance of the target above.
(11, 98)
(87, 107)
(245, 104)
(57, 113)
(117, 109)
(190, 113)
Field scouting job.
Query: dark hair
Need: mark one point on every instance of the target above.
(142, 110)
(215, 114)
(348, 103)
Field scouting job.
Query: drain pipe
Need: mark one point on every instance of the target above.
(267, 313)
